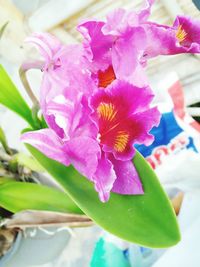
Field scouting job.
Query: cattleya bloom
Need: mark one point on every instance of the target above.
(182, 37)
(59, 61)
(95, 97)
(119, 47)
(99, 133)
(114, 49)
(92, 128)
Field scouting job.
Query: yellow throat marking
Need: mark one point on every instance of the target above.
(107, 111)
(181, 34)
(121, 141)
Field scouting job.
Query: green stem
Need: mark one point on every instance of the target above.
(4, 143)
(22, 73)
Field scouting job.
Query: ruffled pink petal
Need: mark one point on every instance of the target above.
(72, 116)
(128, 98)
(47, 44)
(83, 153)
(161, 40)
(104, 178)
(86, 126)
(145, 121)
(62, 63)
(51, 122)
(139, 76)
(182, 37)
(70, 62)
(128, 181)
(117, 22)
(67, 113)
(64, 79)
(126, 54)
(48, 143)
(97, 45)
(46, 88)
(124, 117)
(145, 12)
(120, 20)
(189, 30)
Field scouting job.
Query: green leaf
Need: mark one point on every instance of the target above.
(2, 29)
(11, 98)
(3, 141)
(148, 220)
(18, 196)
(29, 162)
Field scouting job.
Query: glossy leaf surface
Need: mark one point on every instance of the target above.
(148, 219)
(18, 196)
(11, 98)
(3, 141)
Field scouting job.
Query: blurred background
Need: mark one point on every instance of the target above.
(176, 82)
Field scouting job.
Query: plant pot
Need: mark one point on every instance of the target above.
(35, 247)
(52, 247)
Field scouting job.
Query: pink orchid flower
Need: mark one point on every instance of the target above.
(114, 48)
(120, 47)
(99, 133)
(92, 129)
(182, 37)
(60, 67)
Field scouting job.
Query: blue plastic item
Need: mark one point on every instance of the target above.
(106, 254)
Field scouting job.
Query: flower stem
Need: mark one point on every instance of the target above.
(22, 73)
